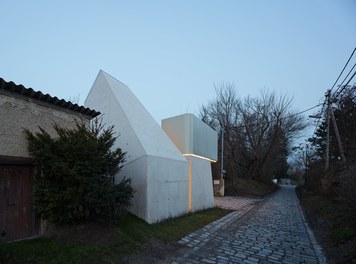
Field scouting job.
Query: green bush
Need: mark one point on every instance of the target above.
(76, 174)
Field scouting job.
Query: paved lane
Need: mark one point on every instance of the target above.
(273, 232)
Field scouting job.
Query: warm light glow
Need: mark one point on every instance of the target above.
(200, 157)
(190, 192)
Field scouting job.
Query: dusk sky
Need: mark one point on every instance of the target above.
(170, 53)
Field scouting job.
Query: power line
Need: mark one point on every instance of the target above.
(334, 96)
(352, 54)
(301, 112)
(344, 79)
(343, 88)
(342, 71)
(320, 116)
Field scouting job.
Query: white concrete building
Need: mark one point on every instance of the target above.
(157, 168)
(198, 143)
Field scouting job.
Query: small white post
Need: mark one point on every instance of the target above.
(222, 183)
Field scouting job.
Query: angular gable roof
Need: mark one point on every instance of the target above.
(19, 91)
(132, 121)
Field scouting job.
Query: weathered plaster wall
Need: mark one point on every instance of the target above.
(17, 114)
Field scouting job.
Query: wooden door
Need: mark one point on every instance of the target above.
(17, 217)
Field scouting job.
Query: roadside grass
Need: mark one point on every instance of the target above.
(44, 250)
(341, 224)
(335, 214)
(172, 229)
(127, 237)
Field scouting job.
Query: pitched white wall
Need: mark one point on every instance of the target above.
(157, 168)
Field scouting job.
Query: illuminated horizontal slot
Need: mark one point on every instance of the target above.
(200, 157)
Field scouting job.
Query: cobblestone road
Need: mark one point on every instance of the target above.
(274, 232)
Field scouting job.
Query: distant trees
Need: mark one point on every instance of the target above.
(76, 174)
(257, 132)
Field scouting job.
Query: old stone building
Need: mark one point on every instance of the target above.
(21, 108)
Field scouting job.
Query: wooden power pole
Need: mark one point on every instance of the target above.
(339, 144)
(330, 115)
(327, 130)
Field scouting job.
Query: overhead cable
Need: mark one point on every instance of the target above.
(352, 54)
(343, 87)
(320, 116)
(335, 95)
(301, 112)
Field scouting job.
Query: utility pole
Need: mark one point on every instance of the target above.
(339, 144)
(222, 154)
(306, 157)
(222, 183)
(327, 130)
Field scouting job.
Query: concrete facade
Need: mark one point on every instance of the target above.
(157, 168)
(200, 192)
(17, 113)
(198, 143)
(192, 136)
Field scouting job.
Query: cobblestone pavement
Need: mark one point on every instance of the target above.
(234, 202)
(275, 232)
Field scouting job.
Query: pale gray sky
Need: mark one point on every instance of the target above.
(171, 52)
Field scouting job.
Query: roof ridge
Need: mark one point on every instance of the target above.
(19, 89)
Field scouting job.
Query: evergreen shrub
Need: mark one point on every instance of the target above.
(76, 174)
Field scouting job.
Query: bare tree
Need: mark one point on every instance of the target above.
(221, 114)
(258, 131)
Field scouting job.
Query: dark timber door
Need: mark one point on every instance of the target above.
(17, 218)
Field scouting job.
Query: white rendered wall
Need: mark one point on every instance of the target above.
(191, 135)
(202, 194)
(167, 190)
(157, 168)
(162, 193)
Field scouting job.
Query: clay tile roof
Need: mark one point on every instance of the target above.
(11, 87)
